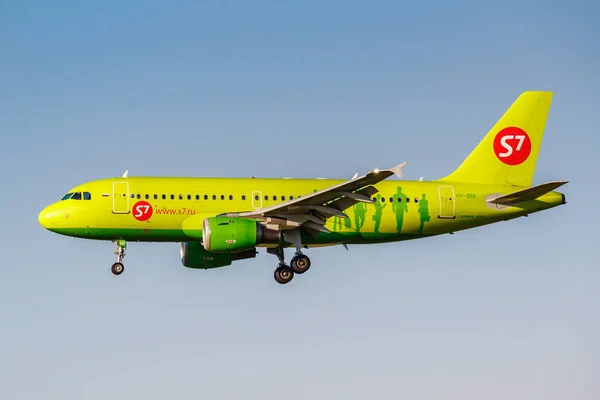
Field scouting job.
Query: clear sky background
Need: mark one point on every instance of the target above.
(302, 89)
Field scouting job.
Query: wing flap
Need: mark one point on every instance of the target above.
(346, 202)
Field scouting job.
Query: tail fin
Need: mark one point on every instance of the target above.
(508, 154)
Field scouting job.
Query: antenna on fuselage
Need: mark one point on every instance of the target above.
(421, 179)
(125, 174)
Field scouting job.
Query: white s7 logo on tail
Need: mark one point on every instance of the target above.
(508, 147)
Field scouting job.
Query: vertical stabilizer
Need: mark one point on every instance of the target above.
(508, 153)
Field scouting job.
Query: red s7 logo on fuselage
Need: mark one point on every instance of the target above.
(142, 211)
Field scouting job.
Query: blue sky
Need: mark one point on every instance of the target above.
(303, 89)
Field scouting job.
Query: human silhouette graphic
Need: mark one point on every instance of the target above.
(360, 215)
(379, 206)
(339, 223)
(399, 207)
(423, 212)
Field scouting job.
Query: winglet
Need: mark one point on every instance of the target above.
(398, 170)
(125, 174)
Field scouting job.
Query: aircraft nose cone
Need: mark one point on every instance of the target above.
(44, 218)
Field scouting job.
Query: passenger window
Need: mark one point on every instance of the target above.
(266, 197)
(76, 196)
(282, 198)
(164, 196)
(205, 197)
(67, 196)
(291, 197)
(399, 200)
(274, 198)
(155, 197)
(147, 196)
(391, 199)
(214, 197)
(180, 197)
(243, 197)
(408, 200)
(172, 197)
(139, 196)
(197, 197)
(222, 197)
(132, 195)
(87, 196)
(189, 196)
(416, 200)
(230, 197)
(383, 199)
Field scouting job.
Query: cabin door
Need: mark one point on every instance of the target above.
(120, 198)
(447, 202)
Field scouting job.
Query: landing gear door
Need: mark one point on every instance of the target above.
(120, 198)
(447, 202)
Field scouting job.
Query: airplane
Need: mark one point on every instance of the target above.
(218, 221)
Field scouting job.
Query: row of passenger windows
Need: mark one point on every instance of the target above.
(78, 196)
(206, 197)
(256, 197)
(398, 199)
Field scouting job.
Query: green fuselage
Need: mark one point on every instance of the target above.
(172, 209)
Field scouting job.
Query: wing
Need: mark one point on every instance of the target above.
(312, 211)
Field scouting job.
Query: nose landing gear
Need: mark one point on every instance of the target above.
(118, 267)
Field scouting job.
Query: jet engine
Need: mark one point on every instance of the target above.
(232, 235)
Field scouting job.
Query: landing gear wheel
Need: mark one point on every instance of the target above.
(117, 268)
(300, 263)
(283, 274)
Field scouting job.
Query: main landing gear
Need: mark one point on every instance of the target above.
(118, 267)
(285, 273)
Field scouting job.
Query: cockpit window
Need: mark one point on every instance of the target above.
(87, 196)
(76, 196)
(67, 196)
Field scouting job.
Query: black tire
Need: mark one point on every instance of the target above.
(300, 264)
(117, 268)
(284, 274)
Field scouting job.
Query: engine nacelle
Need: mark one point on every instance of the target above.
(193, 255)
(232, 235)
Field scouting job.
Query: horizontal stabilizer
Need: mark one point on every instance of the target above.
(528, 194)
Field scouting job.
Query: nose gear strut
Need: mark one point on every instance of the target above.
(118, 267)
